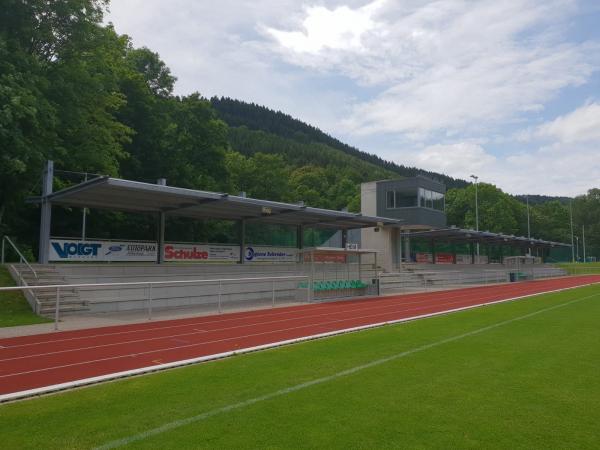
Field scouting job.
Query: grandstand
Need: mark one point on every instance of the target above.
(400, 242)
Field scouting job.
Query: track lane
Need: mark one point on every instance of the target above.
(41, 360)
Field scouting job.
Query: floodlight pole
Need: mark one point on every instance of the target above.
(84, 215)
(572, 239)
(46, 213)
(528, 227)
(476, 178)
(577, 237)
(583, 237)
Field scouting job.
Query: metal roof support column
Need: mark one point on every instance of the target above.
(46, 213)
(242, 241)
(344, 238)
(300, 236)
(432, 246)
(160, 257)
(407, 247)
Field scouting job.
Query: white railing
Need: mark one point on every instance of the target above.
(399, 282)
(149, 285)
(22, 258)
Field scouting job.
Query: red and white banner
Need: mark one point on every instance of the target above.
(424, 257)
(444, 258)
(330, 257)
(201, 252)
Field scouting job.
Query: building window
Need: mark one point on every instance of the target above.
(390, 200)
(431, 199)
(401, 198)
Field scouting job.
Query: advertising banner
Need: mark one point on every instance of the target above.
(227, 253)
(256, 253)
(444, 258)
(201, 252)
(73, 250)
(330, 257)
(463, 259)
(424, 257)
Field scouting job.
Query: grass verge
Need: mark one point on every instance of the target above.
(581, 268)
(14, 309)
(527, 383)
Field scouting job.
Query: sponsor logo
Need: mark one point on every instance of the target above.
(69, 249)
(114, 249)
(184, 253)
(249, 254)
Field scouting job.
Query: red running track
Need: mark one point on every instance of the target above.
(42, 360)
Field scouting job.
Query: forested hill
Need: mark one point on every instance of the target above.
(243, 117)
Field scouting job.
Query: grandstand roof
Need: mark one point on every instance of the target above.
(133, 196)
(463, 235)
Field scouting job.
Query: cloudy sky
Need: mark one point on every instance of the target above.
(507, 90)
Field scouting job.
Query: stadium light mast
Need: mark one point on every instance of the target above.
(572, 238)
(528, 225)
(583, 238)
(476, 178)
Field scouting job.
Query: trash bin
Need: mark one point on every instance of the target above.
(512, 277)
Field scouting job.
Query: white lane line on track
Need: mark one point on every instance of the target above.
(458, 299)
(234, 338)
(381, 301)
(175, 364)
(208, 320)
(216, 341)
(344, 373)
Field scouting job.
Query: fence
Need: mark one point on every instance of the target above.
(399, 282)
(215, 296)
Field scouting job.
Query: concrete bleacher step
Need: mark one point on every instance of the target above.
(48, 275)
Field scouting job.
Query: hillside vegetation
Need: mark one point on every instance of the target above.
(75, 91)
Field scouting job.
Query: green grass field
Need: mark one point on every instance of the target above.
(14, 309)
(581, 268)
(517, 375)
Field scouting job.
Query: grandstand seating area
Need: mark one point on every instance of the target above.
(330, 280)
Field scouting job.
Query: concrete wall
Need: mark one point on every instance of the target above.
(380, 240)
(236, 294)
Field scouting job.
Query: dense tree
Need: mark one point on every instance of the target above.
(73, 90)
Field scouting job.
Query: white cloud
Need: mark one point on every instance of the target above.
(581, 125)
(341, 28)
(457, 159)
(564, 160)
(445, 65)
(432, 77)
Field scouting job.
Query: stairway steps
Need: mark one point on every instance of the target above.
(69, 299)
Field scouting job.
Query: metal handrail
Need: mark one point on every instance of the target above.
(22, 258)
(150, 284)
(146, 283)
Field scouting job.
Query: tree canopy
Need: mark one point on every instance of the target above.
(72, 89)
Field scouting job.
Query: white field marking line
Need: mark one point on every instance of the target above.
(297, 309)
(344, 373)
(175, 364)
(230, 338)
(375, 305)
(458, 299)
(234, 338)
(238, 316)
(167, 349)
(207, 320)
(216, 341)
